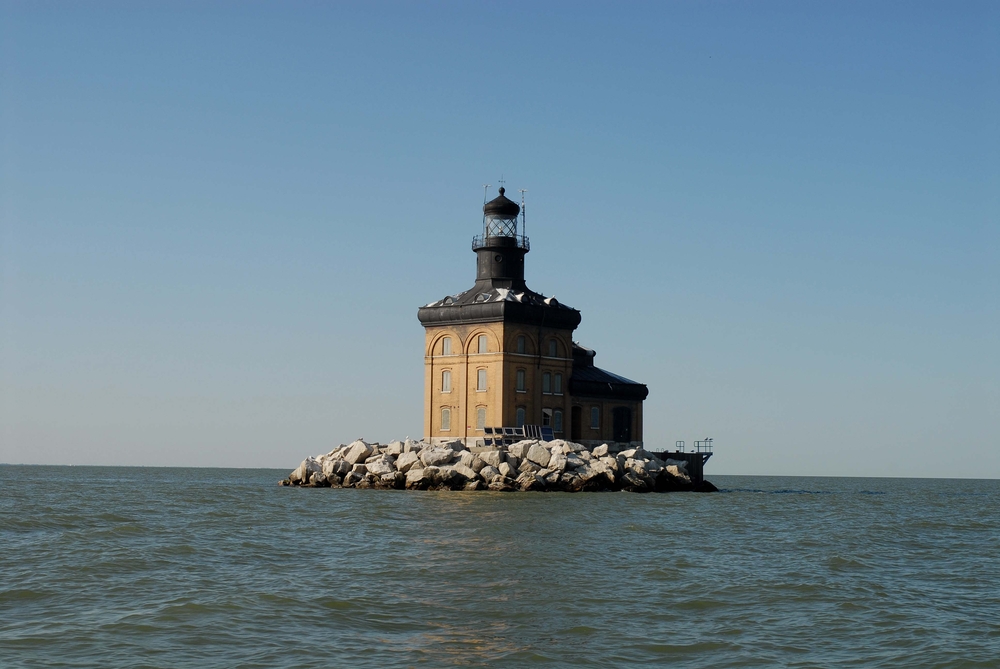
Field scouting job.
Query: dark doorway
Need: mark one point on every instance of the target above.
(576, 424)
(622, 421)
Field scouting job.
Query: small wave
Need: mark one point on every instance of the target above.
(22, 595)
(837, 563)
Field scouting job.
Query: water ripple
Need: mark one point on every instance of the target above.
(120, 567)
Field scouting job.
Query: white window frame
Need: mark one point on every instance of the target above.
(546, 417)
(553, 348)
(520, 381)
(482, 380)
(520, 417)
(445, 419)
(446, 346)
(480, 418)
(446, 381)
(595, 418)
(547, 383)
(483, 344)
(557, 420)
(522, 344)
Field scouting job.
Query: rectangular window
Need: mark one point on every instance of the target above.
(553, 348)
(557, 385)
(519, 419)
(445, 419)
(446, 381)
(480, 418)
(520, 385)
(546, 417)
(520, 344)
(482, 380)
(482, 344)
(595, 417)
(446, 346)
(557, 421)
(547, 383)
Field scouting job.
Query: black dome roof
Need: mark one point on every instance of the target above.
(501, 207)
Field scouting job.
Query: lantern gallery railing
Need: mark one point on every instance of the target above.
(520, 241)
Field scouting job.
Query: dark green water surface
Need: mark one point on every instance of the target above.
(135, 567)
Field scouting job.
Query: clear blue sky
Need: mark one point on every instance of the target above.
(217, 220)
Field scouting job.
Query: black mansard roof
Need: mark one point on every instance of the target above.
(483, 304)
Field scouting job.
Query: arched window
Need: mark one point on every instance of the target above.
(482, 380)
(520, 385)
(480, 418)
(446, 381)
(547, 383)
(483, 344)
(522, 345)
(553, 348)
(445, 419)
(519, 417)
(595, 417)
(557, 384)
(446, 346)
(557, 420)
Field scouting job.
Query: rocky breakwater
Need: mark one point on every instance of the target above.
(525, 466)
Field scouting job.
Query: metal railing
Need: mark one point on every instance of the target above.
(520, 241)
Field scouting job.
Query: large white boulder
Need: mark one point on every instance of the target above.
(394, 448)
(336, 467)
(405, 461)
(489, 472)
(380, 466)
(436, 456)
(416, 478)
(539, 454)
(507, 470)
(612, 464)
(557, 462)
(307, 468)
(520, 449)
(559, 447)
(529, 466)
(471, 460)
(529, 481)
(337, 452)
(492, 458)
(600, 451)
(468, 472)
(678, 473)
(357, 451)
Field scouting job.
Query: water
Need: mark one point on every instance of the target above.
(134, 567)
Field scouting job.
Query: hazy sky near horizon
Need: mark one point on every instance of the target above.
(217, 220)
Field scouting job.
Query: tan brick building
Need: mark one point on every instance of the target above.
(502, 355)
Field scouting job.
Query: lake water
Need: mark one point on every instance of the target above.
(136, 567)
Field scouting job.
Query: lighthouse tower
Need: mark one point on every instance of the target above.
(500, 354)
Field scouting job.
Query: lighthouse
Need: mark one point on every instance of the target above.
(500, 355)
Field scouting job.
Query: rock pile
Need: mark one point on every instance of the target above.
(528, 465)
